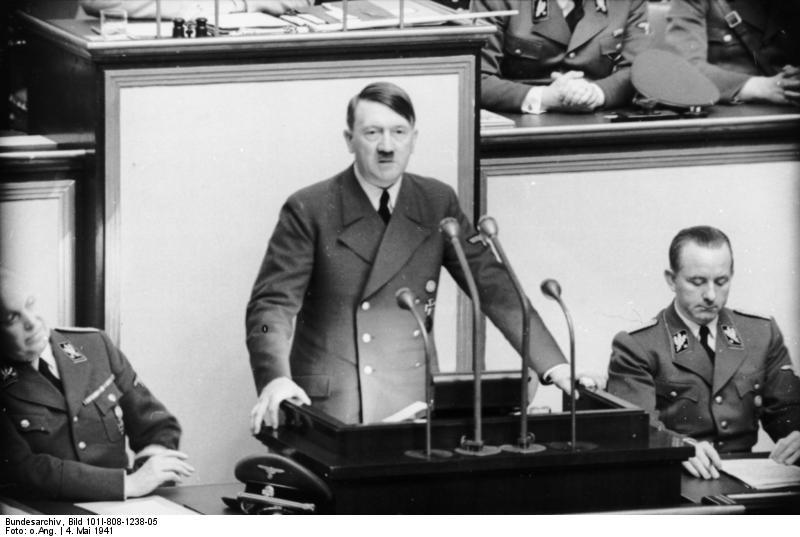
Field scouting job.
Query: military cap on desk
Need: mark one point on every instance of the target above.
(668, 87)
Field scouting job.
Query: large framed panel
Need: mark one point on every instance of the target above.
(37, 241)
(199, 161)
(601, 226)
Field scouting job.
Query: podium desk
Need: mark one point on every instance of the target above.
(368, 472)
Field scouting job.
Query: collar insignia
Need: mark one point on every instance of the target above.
(72, 352)
(540, 11)
(600, 5)
(731, 335)
(8, 375)
(680, 341)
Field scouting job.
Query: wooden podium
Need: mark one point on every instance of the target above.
(368, 472)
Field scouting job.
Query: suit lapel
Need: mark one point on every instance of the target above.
(405, 232)
(553, 27)
(729, 351)
(74, 372)
(591, 24)
(362, 226)
(687, 353)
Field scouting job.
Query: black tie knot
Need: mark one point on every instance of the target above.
(575, 15)
(704, 334)
(383, 209)
(44, 369)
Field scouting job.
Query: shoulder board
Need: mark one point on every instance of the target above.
(649, 324)
(752, 314)
(77, 329)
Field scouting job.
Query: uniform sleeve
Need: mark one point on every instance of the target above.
(781, 410)
(687, 34)
(498, 93)
(631, 375)
(147, 421)
(50, 477)
(278, 294)
(617, 87)
(499, 300)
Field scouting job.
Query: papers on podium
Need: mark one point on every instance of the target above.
(762, 474)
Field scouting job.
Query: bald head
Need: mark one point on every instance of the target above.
(23, 332)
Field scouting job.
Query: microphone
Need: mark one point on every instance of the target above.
(451, 229)
(406, 300)
(489, 230)
(551, 289)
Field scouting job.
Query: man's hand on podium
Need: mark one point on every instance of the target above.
(269, 402)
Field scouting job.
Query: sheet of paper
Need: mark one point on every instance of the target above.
(762, 473)
(151, 505)
(15, 142)
(232, 21)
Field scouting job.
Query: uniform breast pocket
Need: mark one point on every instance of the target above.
(611, 48)
(37, 429)
(530, 49)
(107, 405)
(750, 387)
(677, 405)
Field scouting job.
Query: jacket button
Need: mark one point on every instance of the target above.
(368, 370)
(673, 394)
(718, 399)
(619, 46)
(74, 419)
(112, 397)
(517, 51)
(756, 386)
(81, 445)
(571, 55)
(415, 333)
(24, 424)
(727, 38)
(365, 305)
(723, 424)
(366, 338)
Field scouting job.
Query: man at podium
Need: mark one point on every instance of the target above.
(705, 371)
(323, 324)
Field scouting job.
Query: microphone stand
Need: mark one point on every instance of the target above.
(525, 444)
(452, 230)
(406, 300)
(551, 289)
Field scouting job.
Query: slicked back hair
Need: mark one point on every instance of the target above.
(707, 236)
(384, 93)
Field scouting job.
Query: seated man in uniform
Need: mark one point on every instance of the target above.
(561, 55)
(323, 324)
(191, 9)
(69, 398)
(749, 48)
(705, 371)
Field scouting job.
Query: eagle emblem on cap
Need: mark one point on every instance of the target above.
(680, 341)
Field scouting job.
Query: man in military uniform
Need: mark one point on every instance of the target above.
(705, 371)
(69, 398)
(323, 321)
(561, 55)
(749, 48)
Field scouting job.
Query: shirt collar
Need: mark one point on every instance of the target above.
(374, 192)
(50, 360)
(695, 328)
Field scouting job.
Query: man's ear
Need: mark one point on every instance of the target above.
(669, 276)
(348, 139)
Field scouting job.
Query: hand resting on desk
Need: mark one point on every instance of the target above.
(787, 449)
(274, 393)
(163, 466)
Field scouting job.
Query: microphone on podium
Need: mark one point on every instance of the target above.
(551, 289)
(406, 300)
(525, 444)
(451, 229)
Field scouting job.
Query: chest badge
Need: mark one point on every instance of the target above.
(540, 11)
(72, 353)
(8, 376)
(680, 341)
(731, 335)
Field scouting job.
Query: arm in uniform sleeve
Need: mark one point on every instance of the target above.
(51, 477)
(687, 34)
(631, 375)
(147, 421)
(499, 300)
(781, 410)
(617, 87)
(498, 93)
(278, 294)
